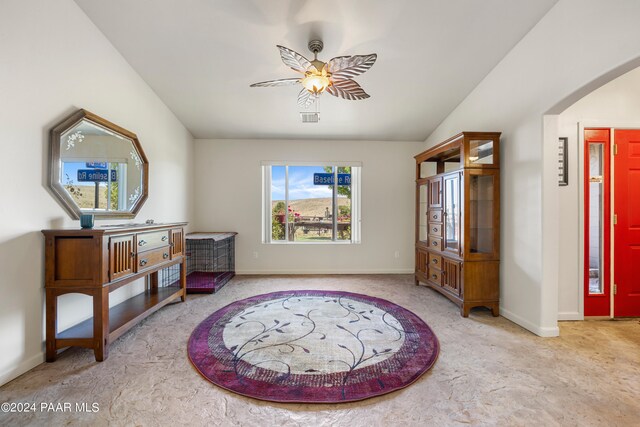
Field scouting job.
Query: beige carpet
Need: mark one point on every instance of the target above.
(490, 372)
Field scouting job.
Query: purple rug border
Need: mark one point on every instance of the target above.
(218, 314)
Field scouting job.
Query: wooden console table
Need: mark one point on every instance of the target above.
(100, 260)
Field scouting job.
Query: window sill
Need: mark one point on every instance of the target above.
(283, 243)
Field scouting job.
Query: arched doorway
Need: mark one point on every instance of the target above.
(594, 254)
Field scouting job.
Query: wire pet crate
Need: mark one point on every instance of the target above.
(210, 261)
(169, 276)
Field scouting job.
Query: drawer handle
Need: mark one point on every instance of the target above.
(132, 254)
(434, 276)
(434, 229)
(142, 243)
(165, 255)
(435, 217)
(435, 261)
(164, 238)
(434, 244)
(143, 262)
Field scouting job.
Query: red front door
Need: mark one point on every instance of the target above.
(627, 227)
(597, 220)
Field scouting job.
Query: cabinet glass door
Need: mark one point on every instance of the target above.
(482, 152)
(452, 212)
(423, 205)
(481, 214)
(435, 193)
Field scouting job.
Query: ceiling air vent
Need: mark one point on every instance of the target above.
(309, 117)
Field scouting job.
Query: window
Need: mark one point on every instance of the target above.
(311, 202)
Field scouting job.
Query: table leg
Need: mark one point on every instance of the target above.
(101, 323)
(51, 324)
(183, 280)
(153, 280)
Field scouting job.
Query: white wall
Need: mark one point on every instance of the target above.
(615, 104)
(53, 60)
(229, 194)
(563, 57)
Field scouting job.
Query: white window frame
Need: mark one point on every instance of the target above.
(356, 219)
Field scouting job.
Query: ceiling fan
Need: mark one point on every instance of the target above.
(333, 76)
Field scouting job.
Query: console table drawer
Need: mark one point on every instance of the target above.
(152, 258)
(153, 240)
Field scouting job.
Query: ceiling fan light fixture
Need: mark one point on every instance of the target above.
(334, 76)
(316, 82)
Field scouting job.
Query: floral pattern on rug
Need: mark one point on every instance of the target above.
(312, 346)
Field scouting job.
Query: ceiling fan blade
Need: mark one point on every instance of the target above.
(347, 89)
(294, 60)
(306, 98)
(279, 82)
(346, 67)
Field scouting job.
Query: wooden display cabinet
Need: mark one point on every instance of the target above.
(458, 220)
(98, 261)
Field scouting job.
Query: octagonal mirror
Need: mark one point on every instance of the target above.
(97, 167)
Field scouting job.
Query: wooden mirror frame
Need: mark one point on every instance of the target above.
(58, 189)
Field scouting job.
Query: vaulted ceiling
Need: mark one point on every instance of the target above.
(200, 56)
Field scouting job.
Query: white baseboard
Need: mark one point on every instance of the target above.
(538, 330)
(23, 367)
(307, 272)
(570, 315)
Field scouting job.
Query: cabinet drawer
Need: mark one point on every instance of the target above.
(435, 261)
(435, 243)
(435, 229)
(435, 276)
(151, 240)
(435, 216)
(152, 258)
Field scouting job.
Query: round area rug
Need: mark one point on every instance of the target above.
(312, 347)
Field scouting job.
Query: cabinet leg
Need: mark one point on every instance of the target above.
(101, 324)
(495, 310)
(51, 324)
(464, 310)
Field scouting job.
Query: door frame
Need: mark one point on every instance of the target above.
(612, 126)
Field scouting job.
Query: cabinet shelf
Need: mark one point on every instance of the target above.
(126, 314)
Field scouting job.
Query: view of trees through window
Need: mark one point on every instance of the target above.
(93, 185)
(302, 203)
